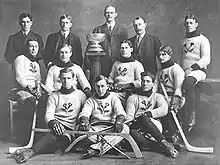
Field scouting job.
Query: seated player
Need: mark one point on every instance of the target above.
(144, 108)
(28, 77)
(102, 110)
(172, 77)
(125, 73)
(63, 108)
(53, 81)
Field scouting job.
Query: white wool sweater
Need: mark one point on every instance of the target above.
(53, 81)
(65, 108)
(26, 72)
(195, 50)
(106, 109)
(126, 72)
(137, 104)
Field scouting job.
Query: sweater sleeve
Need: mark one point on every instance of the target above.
(87, 108)
(49, 80)
(20, 70)
(82, 78)
(205, 53)
(178, 76)
(51, 108)
(130, 108)
(161, 107)
(112, 74)
(137, 72)
(117, 106)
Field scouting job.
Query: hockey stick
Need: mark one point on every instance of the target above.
(31, 140)
(187, 145)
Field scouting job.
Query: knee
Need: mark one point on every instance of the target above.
(189, 83)
(144, 119)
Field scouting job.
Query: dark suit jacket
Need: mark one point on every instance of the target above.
(111, 46)
(16, 45)
(147, 51)
(53, 45)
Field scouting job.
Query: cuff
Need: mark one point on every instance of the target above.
(51, 123)
(195, 66)
(149, 114)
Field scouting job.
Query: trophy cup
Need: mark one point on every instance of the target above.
(94, 52)
(94, 39)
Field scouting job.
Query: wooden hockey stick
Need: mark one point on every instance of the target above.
(187, 145)
(31, 140)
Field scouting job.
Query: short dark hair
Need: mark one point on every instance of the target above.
(108, 7)
(191, 16)
(65, 16)
(129, 43)
(166, 49)
(66, 45)
(139, 17)
(24, 15)
(100, 77)
(152, 76)
(66, 70)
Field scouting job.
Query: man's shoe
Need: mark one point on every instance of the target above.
(192, 121)
(90, 153)
(24, 155)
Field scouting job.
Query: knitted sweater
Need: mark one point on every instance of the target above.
(65, 108)
(196, 51)
(26, 72)
(137, 104)
(126, 72)
(53, 81)
(172, 78)
(106, 109)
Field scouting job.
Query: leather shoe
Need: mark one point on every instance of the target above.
(90, 153)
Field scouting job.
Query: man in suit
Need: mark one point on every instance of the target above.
(57, 39)
(115, 34)
(16, 42)
(146, 46)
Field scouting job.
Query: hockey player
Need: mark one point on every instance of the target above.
(144, 108)
(100, 111)
(125, 73)
(194, 61)
(53, 81)
(63, 108)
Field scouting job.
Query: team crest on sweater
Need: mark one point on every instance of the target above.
(146, 104)
(103, 108)
(188, 47)
(122, 71)
(67, 107)
(33, 68)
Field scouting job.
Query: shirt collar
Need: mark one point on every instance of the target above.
(66, 33)
(112, 24)
(25, 32)
(141, 35)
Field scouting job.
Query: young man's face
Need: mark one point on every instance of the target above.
(190, 25)
(164, 56)
(146, 83)
(101, 87)
(110, 14)
(33, 48)
(126, 50)
(66, 80)
(65, 54)
(25, 24)
(65, 24)
(139, 26)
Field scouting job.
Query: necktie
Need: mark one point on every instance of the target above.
(110, 29)
(137, 41)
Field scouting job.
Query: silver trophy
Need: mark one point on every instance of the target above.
(94, 39)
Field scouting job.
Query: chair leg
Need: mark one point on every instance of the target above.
(11, 118)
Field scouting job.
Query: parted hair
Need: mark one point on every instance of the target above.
(66, 70)
(65, 16)
(167, 49)
(143, 74)
(66, 45)
(24, 15)
(139, 17)
(191, 15)
(129, 43)
(100, 77)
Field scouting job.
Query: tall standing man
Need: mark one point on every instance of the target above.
(16, 42)
(115, 34)
(194, 61)
(57, 39)
(146, 46)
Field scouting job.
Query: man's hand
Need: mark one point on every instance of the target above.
(119, 123)
(84, 124)
(188, 70)
(56, 127)
(111, 86)
(175, 103)
(88, 93)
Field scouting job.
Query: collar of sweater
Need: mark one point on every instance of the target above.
(193, 34)
(102, 97)
(64, 65)
(66, 91)
(144, 93)
(167, 64)
(124, 60)
(30, 57)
